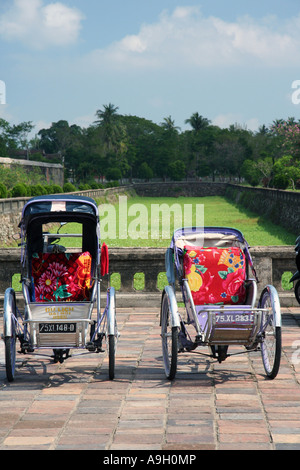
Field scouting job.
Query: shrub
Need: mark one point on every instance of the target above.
(20, 190)
(37, 190)
(84, 187)
(251, 172)
(176, 170)
(145, 171)
(47, 188)
(280, 181)
(95, 185)
(55, 189)
(113, 173)
(3, 191)
(69, 188)
(112, 184)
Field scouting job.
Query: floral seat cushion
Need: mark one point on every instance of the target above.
(61, 276)
(215, 275)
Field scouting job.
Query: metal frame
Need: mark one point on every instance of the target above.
(218, 325)
(73, 322)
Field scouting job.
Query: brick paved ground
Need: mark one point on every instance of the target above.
(208, 406)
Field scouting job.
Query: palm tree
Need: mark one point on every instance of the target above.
(114, 137)
(197, 122)
(107, 115)
(263, 130)
(198, 140)
(108, 125)
(169, 124)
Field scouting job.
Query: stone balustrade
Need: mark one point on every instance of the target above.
(270, 263)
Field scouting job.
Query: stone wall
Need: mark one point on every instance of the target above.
(10, 215)
(281, 207)
(270, 264)
(53, 172)
(180, 188)
(11, 210)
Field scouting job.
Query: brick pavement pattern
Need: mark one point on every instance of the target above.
(209, 406)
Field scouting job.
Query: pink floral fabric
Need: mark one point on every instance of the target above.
(215, 275)
(61, 276)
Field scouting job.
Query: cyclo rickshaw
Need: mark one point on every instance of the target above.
(218, 284)
(60, 284)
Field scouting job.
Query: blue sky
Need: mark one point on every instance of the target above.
(231, 61)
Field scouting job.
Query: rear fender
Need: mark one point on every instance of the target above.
(275, 303)
(111, 312)
(9, 311)
(172, 302)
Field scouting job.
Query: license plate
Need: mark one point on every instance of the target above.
(57, 327)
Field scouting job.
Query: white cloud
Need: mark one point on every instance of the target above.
(84, 121)
(226, 120)
(186, 38)
(38, 25)
(4, 112)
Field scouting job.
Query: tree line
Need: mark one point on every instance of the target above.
(119, 146)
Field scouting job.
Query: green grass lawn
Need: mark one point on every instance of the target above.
(141, 213)
(139, 221)
(217, 212)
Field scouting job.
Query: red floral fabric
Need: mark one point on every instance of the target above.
(215, 275)
(61, 276)
(104, 259)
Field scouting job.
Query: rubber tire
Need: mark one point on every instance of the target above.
(169, 335)
(10, 357)
(271, 362)
(111, 356)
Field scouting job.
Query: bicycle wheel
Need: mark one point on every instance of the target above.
(271, 344)
(10, 356)
(112, 332)
(169, 336)
(111, 356)
(9, 333)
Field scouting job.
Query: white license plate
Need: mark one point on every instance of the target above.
(57, 328)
